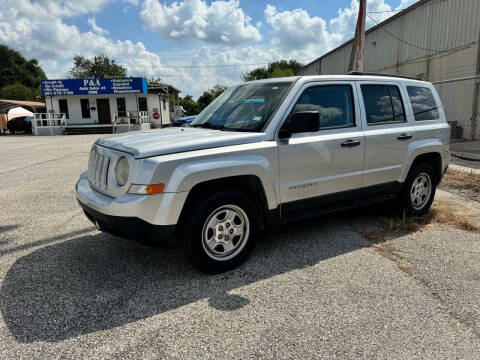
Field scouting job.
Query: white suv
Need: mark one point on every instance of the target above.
(266, 152)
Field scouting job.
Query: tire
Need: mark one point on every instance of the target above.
(220, 232)
(418, 190)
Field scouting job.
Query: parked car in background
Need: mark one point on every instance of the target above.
(20, 124)
(184, 120)
(267, 152)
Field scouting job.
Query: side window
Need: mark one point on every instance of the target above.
(383, 104)
(423, 103)
(334, 103)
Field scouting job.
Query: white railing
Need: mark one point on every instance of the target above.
(49, 123)
(130, 121)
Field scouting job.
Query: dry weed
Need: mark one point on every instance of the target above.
(462, 181)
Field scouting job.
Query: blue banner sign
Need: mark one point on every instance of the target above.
(94, 86)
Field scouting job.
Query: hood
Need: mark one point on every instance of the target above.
(149, 143)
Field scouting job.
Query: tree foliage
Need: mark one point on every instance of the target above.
(99, 67)
(280, 68)
(18, 91)
(209, 95)
(190, 106)
(19, 78)
(193, 107)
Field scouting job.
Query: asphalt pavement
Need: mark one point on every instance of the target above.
(315, 289)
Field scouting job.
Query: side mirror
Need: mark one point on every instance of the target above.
(300, 122)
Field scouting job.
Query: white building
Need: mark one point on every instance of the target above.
(105, 103)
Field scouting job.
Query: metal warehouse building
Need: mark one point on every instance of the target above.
(435, 40)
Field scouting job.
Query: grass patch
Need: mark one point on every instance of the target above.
(464, 181)
(441, 214)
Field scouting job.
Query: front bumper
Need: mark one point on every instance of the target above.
(144, 218)
(129, 227)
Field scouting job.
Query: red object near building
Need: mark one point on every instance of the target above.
(156, 115)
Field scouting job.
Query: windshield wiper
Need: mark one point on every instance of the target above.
(208, 125)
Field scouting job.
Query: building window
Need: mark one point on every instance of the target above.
(423, 103)
(383, 104)
(121, 108)
(85, 105)
(63, 106)
(142, 104)
(164, 104)
(334, 104)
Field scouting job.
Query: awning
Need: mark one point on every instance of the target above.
(34, 106)
(18, 112)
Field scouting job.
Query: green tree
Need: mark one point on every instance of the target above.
(190, 106)
(18, 91)
(20, 74)
(275, 69)
(209, 95)
(98, 67)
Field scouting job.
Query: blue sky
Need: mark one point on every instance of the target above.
(193, 44)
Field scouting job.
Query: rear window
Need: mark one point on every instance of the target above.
(383, 104)
(423, 103)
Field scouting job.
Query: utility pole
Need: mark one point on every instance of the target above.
(358, 46)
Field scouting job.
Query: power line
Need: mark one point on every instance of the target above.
(384, 11)
(196, 66)
(404, 41)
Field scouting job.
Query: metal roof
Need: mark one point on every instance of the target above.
(426, 28)
(6, 105)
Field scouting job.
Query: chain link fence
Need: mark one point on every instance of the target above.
(460, 98)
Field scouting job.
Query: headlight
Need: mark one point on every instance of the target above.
(122, 170)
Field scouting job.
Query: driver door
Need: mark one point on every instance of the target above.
(322, 169)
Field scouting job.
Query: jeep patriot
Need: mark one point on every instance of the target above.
(266, 152)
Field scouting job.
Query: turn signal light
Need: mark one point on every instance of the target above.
(154, 189)
(146, 189)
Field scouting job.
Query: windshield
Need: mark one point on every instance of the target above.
(243, 108)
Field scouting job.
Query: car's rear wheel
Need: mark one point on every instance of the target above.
(220, 233)
(419, 190)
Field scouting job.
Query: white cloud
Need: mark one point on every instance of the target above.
(38, 30)
(47, 38)
(296, 29)
(96, 29)
(406, 3)
(219, 22)
(346, 20)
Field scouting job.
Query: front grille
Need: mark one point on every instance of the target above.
(98, 169)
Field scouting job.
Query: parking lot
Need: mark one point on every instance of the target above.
(320, 288)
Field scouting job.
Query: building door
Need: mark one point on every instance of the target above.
(103, 110)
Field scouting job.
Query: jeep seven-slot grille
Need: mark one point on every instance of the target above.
(98, 169)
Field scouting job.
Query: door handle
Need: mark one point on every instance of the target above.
(350, 143)
(404, 137)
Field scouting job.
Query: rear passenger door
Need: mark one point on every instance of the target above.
(314, 166)
(387, 135)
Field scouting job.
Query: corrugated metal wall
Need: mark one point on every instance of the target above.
(438, 25)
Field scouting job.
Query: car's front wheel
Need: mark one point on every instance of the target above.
(220, 232)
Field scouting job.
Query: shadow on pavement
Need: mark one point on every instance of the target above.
(97, 282)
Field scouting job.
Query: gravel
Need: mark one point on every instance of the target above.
(315, 289)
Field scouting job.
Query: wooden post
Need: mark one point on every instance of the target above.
(358, 46)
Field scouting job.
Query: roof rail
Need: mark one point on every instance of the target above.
(389, 75)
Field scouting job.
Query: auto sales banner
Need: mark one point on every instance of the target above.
(94, 86)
